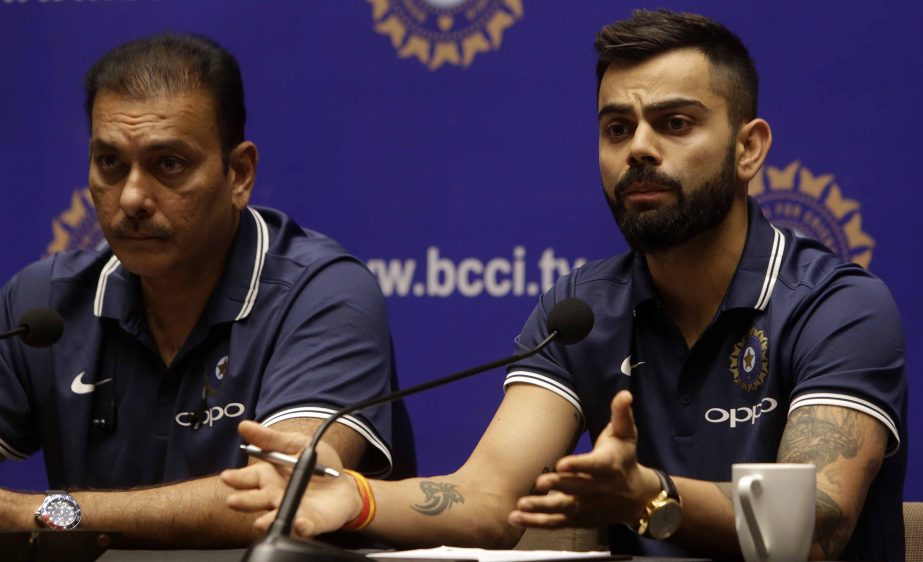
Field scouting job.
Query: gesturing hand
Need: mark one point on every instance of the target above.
(606, 485)
(329, 503)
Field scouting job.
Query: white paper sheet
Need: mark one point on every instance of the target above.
(483, 555)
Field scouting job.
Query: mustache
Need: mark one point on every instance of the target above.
(142, 229)
(645, 174)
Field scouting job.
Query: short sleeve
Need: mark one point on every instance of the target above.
(548, 368)
(849, 351)
(334, 349)
(18, 432)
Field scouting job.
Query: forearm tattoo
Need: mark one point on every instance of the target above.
(437, 497)
(829, 530)
(821, 436)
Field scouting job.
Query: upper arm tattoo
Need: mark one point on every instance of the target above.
(438, 497)
(821, 436)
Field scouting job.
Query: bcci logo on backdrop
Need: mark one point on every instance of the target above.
(438, 32)
(813, 207)
(76, 227)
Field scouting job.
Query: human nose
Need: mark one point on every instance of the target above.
(644, 148)
(135, 200)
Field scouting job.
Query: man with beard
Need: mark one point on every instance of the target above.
(719, 339)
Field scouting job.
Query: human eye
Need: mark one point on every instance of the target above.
(108, 162)
(171, 165)
(616, 130)
(677, 124)
(109, 167)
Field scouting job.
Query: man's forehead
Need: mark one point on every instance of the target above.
(198, 100)
(185, 113)
(677, 74)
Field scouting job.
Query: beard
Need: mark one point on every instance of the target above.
(694, 212)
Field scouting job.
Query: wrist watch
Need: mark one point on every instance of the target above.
(59, 511)
(664, 513)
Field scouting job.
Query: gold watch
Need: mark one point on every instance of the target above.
(664, 513)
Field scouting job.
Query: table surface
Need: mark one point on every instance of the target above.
(236, 554)
(167, 555)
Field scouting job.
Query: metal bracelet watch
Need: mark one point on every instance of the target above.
(59, 511)
(664, 513)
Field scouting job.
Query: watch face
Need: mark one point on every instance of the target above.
(665, 520)
(60, 512)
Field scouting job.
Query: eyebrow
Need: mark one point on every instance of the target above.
(657, 107)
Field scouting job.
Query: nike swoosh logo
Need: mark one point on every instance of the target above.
(628, 366)
(80, 387)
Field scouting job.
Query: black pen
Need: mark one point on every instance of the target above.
(286, 460)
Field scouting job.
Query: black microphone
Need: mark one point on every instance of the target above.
(39, 327)
(569, 322)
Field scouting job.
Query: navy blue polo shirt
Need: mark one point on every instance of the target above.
(797, 327)
(295, 328)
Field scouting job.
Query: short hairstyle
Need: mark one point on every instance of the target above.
(650, 33)
(171, 63)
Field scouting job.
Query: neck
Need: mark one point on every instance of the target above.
(693, 278)
(175, 302)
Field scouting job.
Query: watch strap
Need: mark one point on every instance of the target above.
(667, 485)
(668, 492)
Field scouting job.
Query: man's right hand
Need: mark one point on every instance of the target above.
(327, 506)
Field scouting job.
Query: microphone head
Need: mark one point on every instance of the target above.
(43, 325)
(572, 319)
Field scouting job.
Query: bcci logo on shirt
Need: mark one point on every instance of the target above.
(77, 227)
(749, 360)
(438, 32)
(813, 207)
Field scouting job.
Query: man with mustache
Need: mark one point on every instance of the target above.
(718, 339)
(200, 312)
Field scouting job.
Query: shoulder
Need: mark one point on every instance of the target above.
(597, 283)
(299, 247)
(315, 265)
(612, 271)
(60, 272)
(605, 285)
(812, 272)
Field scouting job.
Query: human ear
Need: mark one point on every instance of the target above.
(242, 172)
(753, 141)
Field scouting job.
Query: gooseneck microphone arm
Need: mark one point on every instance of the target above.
(305, 467)
(568, 322)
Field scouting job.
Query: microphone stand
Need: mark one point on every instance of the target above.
(278, 545)
(15, 332)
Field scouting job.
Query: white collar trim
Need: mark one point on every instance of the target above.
(262, 246)
(772, 270)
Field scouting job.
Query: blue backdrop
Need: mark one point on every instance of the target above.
(451, 144)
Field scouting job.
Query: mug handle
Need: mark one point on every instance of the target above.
(745, 486)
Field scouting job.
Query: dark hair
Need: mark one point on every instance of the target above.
(171, 63)
(650, 33)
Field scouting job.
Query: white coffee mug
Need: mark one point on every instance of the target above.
(774, 508)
